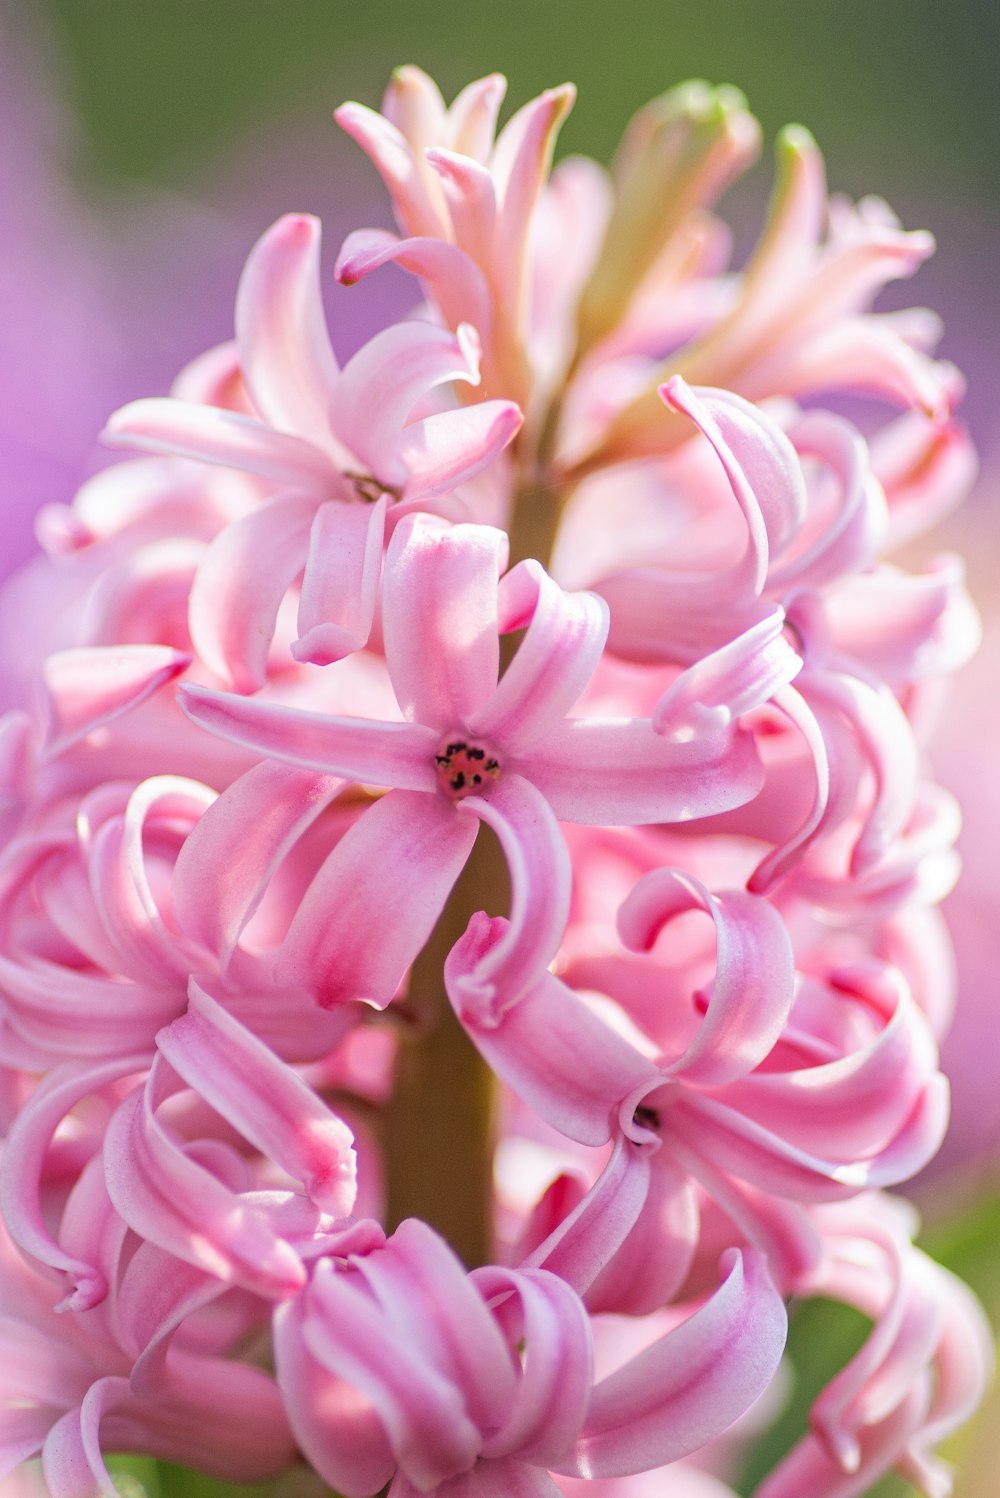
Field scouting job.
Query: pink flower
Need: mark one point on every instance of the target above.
(493, 1382)
(470, 747)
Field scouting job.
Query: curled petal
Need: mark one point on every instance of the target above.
(734, 679)
(754, 972)
(540, 877)
(549, 1047)
(562, 644)
(240, 583)
(386, 378)
(445, 450)
(280, 802)
(285, 355)
(452, 277)
(264, 1099)
(691, 1385)
(91, 685)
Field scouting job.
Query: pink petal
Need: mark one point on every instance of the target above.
(555, 660)
(244, 575)
(279, 802)
(754, 971)
(521, 160)
(190, 431)
(340, 584)
(607, 772)
(439, 618)
(386, 378)
(375, 900)
(264, 1099)
(394, 160)
(445, 450)
(691, 1385)
(729, 681)
(760, 464)
(551, 1049)
(166, 1196)
(453, 279)
(359, 749)
(540, 877)
(91, 685)
(285, 355)
(550, 1397)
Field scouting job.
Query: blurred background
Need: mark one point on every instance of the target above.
(145, 146)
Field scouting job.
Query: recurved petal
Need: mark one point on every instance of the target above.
(562, 644)
(691, 1385)
(285, 354)
(386, 378)
(90, 685)
(754, 981)
(239, 585)
(445, 450)
(551, 1049)
(264, 1099)
(452, 277)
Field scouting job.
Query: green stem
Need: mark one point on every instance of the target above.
(439, 1129)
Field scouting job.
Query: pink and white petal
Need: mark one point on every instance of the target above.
(538, 864)
(562, 645)
(627, 1246)
(903, 627)
(264, 1099)
(754, 984)
(729, 681)
(72, 1463)
(445, 450)
(472, 117)
(692, 1384)
(456, 283)
(374, 902)
(22, 1436)
(550, 1397)
(335, 1424)
(393, 158)
(521, 161)
(285, 355)
(186, 430)
(926, 469)
(472, 204)
(222, 872)
(439, 618)
(241, 580)
(659, 616)
(851, 537)
(340, 583)
(550, 1048)
(24, 1159)
(760, 463)
(359, 749)
(147, 949)
(386, 378)
(166, 1196)
(421, 1284)
(781, 859)
(90, 685)
(810, 1468)
(422, 1410)
(886, 743)
(618, 772)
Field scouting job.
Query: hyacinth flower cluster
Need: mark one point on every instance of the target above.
(469, 954)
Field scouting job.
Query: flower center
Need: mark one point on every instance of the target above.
(465, 769)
